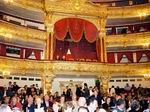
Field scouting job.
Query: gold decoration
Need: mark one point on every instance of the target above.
(27, 34)
(54, 67)
(104, 79)
(22, 33)
(128, 39)
(128, 11)
(67, 6)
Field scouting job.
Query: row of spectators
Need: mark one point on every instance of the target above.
(84, 99)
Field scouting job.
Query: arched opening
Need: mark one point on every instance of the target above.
(76, 39)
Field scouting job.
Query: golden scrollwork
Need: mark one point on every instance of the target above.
(128, 39)
(32, 35)
(104, 79)
(129, 11)
(22, 32)
(39, 67)
(67, 6)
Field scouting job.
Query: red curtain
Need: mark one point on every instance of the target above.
(120, 55)
(37, 54)
(91, 32)
(131, 29)
(3, 50)
(147, 54)
(113, 30)
(111, 57)
(76, 27)
(129, 55)
(136, 28)
(21, 53)
(61, 29)
(98, 49)
(138, 55)
(28, 53)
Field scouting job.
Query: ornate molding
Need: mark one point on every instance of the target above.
(38, 67)
(36, 5)
(28, 34)
(124, 40)
(90, 9)
(129, 11)
(23, 33)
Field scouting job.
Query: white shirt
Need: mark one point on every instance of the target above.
(102, 110)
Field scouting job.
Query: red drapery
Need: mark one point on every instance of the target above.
(129, 55)
(111, 57)
(90, 32)
(98, 48)
(3, 50)
(28, 53)
(37, 54)
(147, 52)
(131, 28)
(138, 55)
(120, 55)
(76, 27)
(113, 30)
(79, 50)
(61, 29)
(21, 53)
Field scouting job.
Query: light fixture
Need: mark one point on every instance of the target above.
(147, 77)
(142, 15)
(68, 52)
(8, 35)
(8, 1)
(5, 74)
(146, 45)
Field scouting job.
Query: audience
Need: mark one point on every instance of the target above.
(84, 99)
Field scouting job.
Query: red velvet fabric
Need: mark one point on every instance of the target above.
(37, 54)
(136, 28)
(98, 49)
(147, 52)
(111, 57)
(131, 28)
(3, 50)
(138, 55)
(120, 55)
(21, 53)
(91, 32)
(28, 53)
(76, 27)
(79, 50)
(61, 29)
(129, 55)
(113, 30)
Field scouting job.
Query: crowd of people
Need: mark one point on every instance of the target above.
(84, 99)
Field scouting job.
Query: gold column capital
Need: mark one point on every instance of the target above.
(48, 21)
(104, 79)
(47, 79)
